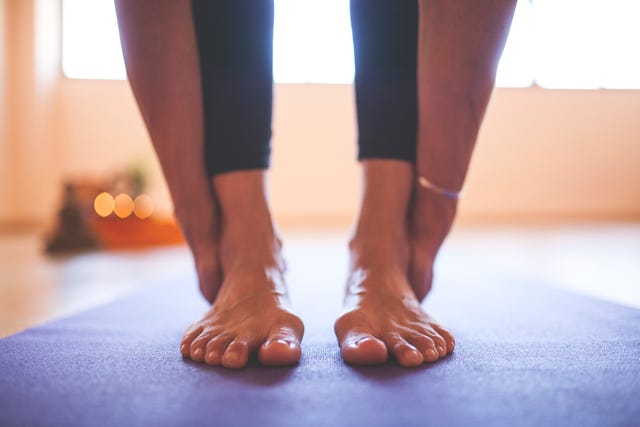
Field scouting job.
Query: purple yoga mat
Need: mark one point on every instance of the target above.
(526, 355)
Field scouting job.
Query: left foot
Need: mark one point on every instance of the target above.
(383, 316)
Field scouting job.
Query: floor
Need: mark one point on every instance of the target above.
(602, 261)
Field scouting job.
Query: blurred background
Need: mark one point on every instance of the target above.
(553, 193)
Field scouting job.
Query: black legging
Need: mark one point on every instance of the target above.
(235, 42)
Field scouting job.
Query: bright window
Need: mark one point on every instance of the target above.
(558, 44)
(90, 40)
(587, 44)
(516, 65)
(312, 42)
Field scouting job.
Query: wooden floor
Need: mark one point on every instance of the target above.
(602, 261)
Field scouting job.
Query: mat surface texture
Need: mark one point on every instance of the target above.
(526, 355)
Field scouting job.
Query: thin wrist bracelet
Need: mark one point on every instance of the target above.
(425, 183)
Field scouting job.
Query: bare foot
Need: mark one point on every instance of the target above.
(249, 314)
(251, 311)
(383, 315)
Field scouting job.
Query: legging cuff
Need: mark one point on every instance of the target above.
(387, 114)
(238, 156)
(237, 118)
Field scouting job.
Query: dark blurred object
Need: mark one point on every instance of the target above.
(110, 213)
(72, 233)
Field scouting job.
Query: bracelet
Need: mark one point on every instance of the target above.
(425, 183)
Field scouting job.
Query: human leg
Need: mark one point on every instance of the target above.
(401, 226)
(382, 314)
(251, 313)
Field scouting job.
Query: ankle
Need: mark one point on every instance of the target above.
(250, 243)
(245, 217)
(387, 186)
(242, 199)
(379, 250)
(382, 235)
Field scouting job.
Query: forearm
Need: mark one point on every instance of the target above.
(161, 55)
(460, 43)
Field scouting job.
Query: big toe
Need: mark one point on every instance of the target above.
(280, 351)
(282, 346)
(363, 349)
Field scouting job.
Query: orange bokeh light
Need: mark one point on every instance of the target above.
(104, 204)
(123, 205)
(143, 206)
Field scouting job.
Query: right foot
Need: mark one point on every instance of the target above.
(249, 314)
(251, 311)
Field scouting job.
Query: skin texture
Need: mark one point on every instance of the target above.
(251, 313)
(228, 225)
(459, 46)
(383, 316)
(227, 215)
(161, 55)
(402, 226)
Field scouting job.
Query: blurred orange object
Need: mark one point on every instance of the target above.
(133, 232)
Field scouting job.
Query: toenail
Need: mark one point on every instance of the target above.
(231, 357)
(440, 349)
(183, 348)
(431, 353)
(413, 355)
(197, 353)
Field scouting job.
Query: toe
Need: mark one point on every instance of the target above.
(197, 348)
(425, 346)
(406, 354)
(448, 337)
(358, 342)
(237, 354)
(191, 334)
(439, 341)
(215, 349)
(282, 347)
(363, 349)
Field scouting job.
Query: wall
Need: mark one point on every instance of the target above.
(30, 78)
(4, 173)
(542, 155)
